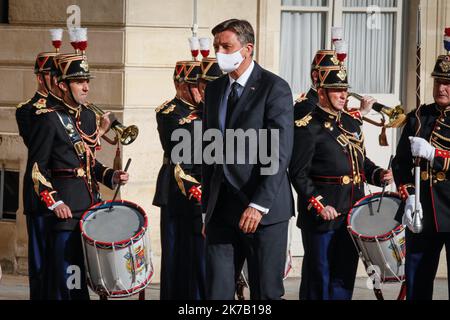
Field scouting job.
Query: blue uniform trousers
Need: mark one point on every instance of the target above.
(68, 271)
(38, 227)
(182, 257)
(329, 265)
(422, 260)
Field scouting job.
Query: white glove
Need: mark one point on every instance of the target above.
(422, 148)
(408, 216)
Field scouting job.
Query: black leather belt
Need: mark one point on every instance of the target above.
(339, 180)
(68, 173)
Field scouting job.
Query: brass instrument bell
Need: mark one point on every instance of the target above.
(126, 135)
(396, 115)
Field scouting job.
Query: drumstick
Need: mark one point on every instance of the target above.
(385, 185)
(118, 187)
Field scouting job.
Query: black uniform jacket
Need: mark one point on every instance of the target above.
(184, 176)
(26, 118)
(305, 103)
(329, 167)
(435, 178)
(24, 114)
(57, 171)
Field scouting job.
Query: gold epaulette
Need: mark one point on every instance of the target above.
(302, 97)
(169, 109)
(40, 104)
(303, 122)
(44, 111)
(161, 107)
(20, 105)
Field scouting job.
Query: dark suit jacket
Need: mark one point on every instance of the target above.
(306, 104)
(266, 103)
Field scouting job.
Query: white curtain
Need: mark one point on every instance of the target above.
(302, 34)
(371, 52)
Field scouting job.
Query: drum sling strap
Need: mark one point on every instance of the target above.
(80, 149)
(345, 143)
(73, 134)
(339, 137)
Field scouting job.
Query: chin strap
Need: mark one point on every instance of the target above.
(192, 96)
(329, 100)
(71, 94)
(45, 84)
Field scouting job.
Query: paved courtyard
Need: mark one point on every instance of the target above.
(16, 288)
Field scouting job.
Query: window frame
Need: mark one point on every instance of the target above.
(3, 170)
(335, 15)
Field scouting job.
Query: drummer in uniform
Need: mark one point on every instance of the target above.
(36, 213)
(65, 173)
(328, 169)
(427, 136)
(178, 192)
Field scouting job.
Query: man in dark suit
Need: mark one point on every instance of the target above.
(246, 210)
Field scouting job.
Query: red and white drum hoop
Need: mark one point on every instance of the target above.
(116, 249)
(378, 238)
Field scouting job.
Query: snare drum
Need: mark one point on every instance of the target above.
(378, 237)
(116, 249)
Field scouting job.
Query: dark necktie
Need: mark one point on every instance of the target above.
(233, 98)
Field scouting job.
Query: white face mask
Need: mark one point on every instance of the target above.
(229, 62)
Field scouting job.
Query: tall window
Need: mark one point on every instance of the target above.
(372, 29)
(9, 193)
(304, 25)
(3, 11)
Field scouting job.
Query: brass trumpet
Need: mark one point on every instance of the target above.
(396, 115)
(126, 135)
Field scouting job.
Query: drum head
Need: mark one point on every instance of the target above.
(121, 223)
(366, 221)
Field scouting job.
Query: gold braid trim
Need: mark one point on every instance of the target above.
(303, 122)
(180, 175)
(39, 178)
(441, 137)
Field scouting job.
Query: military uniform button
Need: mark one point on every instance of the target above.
(346, 180)
(424, 175)
(441, 176)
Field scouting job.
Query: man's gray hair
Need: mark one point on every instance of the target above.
(242, 28)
